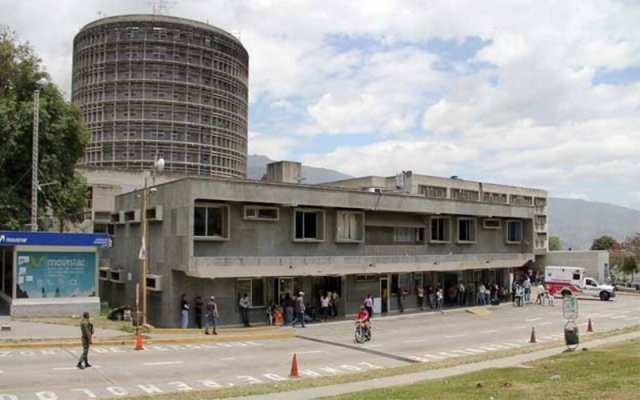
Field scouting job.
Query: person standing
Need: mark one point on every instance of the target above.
(334, 303)
(244, 304)
(527, 290)
(288, 309)
(184, 310)
(400, 295)
(212, 316)
(368, 305)
(197, 305)
(420, 292)
(86, 329)
(325, 302)
(439, 299)
(431, 293)
(300, 309)
(461, 293)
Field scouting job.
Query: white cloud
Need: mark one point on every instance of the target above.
(276, 148)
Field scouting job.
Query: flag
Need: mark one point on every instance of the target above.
(143, 251)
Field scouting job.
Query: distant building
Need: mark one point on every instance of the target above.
(157, 86)
(373, 235)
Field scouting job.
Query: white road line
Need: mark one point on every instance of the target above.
(462, 352)
(455, 336)
(305, 352)
(487, 348)
(606, 315)
(488, 332)
(519, 327)
(163, 363)
(227, 358)
(72, 368)
(445, 354)
(434, 357)
(545, 323)
(619, 317)
(417, 341)
(632, 319)
(512, 345)
(533, 319)
(476, 350)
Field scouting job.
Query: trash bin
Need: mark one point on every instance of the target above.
(571, 337)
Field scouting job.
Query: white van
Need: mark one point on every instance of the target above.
(566, 280)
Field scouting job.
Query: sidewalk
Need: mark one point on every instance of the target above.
(399, 380)
(38, 334)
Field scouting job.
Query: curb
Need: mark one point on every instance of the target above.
(149, 340)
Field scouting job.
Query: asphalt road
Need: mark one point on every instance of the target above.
(322, 350)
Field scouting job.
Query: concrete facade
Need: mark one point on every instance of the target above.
(291, 237)
(594, 262)
(157, 86)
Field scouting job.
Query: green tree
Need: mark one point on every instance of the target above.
(554, 243)
(62, 140)
(604, 242)
(629, 264)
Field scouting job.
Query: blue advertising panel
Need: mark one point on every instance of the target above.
(55, 274)
(12, 238)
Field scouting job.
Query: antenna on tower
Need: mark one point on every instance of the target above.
(161, 7)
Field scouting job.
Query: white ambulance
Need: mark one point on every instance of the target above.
(566, 281)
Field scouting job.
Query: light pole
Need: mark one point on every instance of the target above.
(158, 166)
(40, 83)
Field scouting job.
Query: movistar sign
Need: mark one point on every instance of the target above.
(9, 238)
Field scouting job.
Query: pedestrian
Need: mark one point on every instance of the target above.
(439, 299)
(86, 329)
(197, 306)
(368, 305)
(184, 310)
(513, 291)
(289, 307)
(420, 292)
(527, 290)
(431, 293)
(551, 294)
(400, 295)
(461, 294)
(325, 303)
(299, 308)
(471, 294)
(334, 303)
(244, 304)
(271, 309)
(212, 315)
(481, 297)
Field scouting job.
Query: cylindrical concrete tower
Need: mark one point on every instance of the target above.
(157, 86)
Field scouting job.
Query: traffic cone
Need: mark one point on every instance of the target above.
(533, 336)
(294, 367)
(139, 340)
(589, 326)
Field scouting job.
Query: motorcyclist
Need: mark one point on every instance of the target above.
(363, 318)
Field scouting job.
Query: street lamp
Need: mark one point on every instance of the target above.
(40, 83)
(158, 165)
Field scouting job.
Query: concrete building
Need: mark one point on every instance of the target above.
(374, 235)
(157, 86)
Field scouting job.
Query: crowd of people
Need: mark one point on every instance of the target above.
(523, 292)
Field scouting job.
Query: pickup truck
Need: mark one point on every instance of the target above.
(566, 281)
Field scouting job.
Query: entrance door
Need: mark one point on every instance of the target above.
(384, 294)
(285, 285)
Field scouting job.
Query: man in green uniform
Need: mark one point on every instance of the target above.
(86, 328)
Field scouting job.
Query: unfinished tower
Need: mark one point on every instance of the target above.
(157, 86)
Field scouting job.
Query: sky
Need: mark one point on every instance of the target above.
(536, 93)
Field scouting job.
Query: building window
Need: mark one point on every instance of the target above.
(349, 226)
(491, 223)
(211, 221)
(261, 213)
(514, 232)
(254, 288)
(440, 230)
(309, 225)
(408, 235)
(466, 230)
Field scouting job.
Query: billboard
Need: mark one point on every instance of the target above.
(41, 274)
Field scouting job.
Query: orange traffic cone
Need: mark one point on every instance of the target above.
(294, 367)
(589, 326)
(139, 340)
(533, 336)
